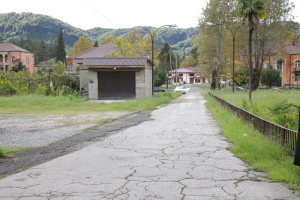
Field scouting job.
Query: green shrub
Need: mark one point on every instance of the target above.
(6, 88)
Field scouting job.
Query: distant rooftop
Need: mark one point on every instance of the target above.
(93, 52)
(8, 47)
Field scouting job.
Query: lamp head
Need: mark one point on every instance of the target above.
(173, 25)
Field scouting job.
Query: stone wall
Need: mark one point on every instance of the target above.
(93, 85)
(84, 79)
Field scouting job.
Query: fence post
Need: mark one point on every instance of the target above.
(282, 136)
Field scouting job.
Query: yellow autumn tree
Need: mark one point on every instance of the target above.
(81, 45)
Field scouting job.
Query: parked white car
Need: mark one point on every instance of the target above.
(182, 89)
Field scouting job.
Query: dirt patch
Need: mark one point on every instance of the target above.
(40, 130)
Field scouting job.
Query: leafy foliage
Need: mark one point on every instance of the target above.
(160, 76)
(270, 77)
(18, 67)
(60, 48)
(81, 45)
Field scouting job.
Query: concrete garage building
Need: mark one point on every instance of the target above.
(113, 78)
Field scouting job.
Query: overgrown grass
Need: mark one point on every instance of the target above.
(249, 145)
(271, 105)
(66, 104)
(204, 86)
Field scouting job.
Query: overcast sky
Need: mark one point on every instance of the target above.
(86, 14)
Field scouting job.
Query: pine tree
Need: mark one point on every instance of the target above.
(96, 44)
(52, 46)
(22, 41)
(42, 52)
(60, 48)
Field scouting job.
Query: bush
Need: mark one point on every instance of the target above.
(6, 88)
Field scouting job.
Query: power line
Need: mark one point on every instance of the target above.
(102, 14)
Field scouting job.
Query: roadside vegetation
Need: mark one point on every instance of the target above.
(72, 103)
(260, 152)
(280, 107)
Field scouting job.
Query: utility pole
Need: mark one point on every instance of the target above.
(171, 67)
(176, 69)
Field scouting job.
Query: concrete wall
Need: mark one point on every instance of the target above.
(84, 79)
(140, 84)
(148, 82)
(93, 85)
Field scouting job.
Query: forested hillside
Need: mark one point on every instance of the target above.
(14, 25)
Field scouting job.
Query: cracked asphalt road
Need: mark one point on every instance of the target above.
(180, 154)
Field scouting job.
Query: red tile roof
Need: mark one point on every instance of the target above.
(116, 61)
(8, 47)
(183, 70)
(293, 49)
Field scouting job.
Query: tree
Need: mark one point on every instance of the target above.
(96, 44)
(60, 48)
(81, 45)
(52, 46)
(42, 52)
(18, 67)
(109, 39)
(1, 39)
(164, 57)
(160, 76)
(270, 77)
(214, 42)
(251, 11)
(271, 35)
(188, 62)
(241, 75)
(22, 42)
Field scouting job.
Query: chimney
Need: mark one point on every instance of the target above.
(294, 42)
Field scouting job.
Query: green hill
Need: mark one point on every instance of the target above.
(43, 26)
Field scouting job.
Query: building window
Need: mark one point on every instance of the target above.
(70, 67)
(264, 65)
(280, 66)
(13, 59)
(192, 74)
(297, 77)
(27, 60)
(297, 63)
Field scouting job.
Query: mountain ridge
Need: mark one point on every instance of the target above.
(43, 26)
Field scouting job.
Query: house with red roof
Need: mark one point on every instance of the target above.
(286, 61)
(93, 52)
(11, 54)
(186, 75)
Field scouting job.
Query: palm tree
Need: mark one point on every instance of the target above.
(251, 11)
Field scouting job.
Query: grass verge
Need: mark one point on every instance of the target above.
(248, 144)
(69, 105)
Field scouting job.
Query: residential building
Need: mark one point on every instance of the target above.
(286, 61)
(11, 54)
(93, 52)
(186, 75)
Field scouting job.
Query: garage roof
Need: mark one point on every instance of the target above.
(116, 61)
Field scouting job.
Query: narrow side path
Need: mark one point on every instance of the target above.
(180, 154)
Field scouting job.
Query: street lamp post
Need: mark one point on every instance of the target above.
(152, 41)
(233, 32)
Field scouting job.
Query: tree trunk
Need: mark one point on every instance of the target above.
(256, 78)
(250, 63)
(213, 84)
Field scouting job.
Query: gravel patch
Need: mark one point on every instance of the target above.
(35, 131)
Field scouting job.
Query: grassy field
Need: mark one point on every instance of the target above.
(68, 104)
(204, 86)
(271, 105)
(248, 144)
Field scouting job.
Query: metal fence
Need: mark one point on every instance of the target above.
(286, 137)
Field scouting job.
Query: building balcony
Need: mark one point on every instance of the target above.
(296, 69)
